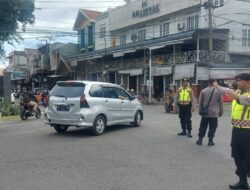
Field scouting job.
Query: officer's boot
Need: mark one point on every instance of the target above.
(210, 142)
(183, 133)
(242, 184)
(189, 134)
(199, 141)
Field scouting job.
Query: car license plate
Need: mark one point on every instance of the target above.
(62, 108)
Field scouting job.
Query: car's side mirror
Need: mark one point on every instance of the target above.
(132, 97)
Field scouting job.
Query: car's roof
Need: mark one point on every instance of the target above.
(89, 82)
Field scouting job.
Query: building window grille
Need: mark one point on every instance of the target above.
(123, 39)
(142, 34)
(192, 22)
(246, 38)
(102, 31)
(164, 29)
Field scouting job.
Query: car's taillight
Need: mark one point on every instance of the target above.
(83, 102)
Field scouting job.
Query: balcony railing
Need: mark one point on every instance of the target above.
(191, 57)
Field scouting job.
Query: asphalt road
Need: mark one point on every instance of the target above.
(152, 157)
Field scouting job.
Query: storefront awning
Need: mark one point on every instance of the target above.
(160, 71)
(184, 71)
(202, 73)
(227, 73)
(132, 72)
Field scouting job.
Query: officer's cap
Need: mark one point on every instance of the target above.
(185, 79)
(244, 76)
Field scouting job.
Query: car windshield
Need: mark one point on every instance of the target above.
(68, 89)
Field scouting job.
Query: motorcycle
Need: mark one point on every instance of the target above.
(27, 111)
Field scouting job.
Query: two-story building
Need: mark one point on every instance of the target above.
(166, 41)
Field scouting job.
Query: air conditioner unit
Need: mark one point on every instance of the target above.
(133, 37)
(181, 26)
(216, 2)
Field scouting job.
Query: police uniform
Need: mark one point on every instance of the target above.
(240, 119)
(185, 101)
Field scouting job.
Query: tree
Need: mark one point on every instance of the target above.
(12, 14)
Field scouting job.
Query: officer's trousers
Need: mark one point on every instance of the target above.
(241, 151)
(205, 121)
(185, 115)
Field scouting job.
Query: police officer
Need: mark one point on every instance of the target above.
(185, 102)
(240, 119)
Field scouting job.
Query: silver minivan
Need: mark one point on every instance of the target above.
(93, 105)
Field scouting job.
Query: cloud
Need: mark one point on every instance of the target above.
(57, 15)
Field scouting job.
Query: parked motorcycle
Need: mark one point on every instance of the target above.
(27, 111)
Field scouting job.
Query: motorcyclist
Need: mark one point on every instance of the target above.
(30, 99)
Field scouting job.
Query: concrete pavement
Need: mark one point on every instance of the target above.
(151, 157)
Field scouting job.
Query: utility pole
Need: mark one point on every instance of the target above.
(210, 6)
(210, 29)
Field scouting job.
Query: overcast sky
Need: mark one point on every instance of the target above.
(58, 15)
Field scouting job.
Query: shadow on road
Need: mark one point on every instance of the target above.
(73, 132)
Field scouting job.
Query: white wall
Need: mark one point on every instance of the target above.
(222, 17)
(100, 42)
(122, 17)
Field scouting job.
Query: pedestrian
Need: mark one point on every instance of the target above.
(12, 97)
(212, 98)
(185, 102)
(169, 101)
(240, 119)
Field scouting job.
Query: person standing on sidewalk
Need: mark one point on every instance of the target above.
(240, 119)
(185, 102)
(212, 98)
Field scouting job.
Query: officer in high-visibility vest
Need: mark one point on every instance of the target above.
(240, 119)
(185, 102)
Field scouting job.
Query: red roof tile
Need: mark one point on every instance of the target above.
(91, 14)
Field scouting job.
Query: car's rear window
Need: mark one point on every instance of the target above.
(68, 89)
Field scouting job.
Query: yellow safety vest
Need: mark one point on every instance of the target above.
(184, 95)
(240, 116)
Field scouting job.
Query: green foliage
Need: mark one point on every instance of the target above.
(12, 13)
(8, 109)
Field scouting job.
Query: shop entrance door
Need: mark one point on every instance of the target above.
(158, 87)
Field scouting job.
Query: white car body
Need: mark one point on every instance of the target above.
(79, 103)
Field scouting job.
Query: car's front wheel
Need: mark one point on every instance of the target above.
(137, 119)
(99, 125)
(60, 128)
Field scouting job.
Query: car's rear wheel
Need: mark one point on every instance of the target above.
(99, 125)
(60, 128)
(137, 119)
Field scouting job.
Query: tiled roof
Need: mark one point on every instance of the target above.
(91, 14)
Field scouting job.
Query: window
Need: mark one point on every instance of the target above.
(246, 38)
(164, 29)
(90, 36)
(82, 38)
(96, 91)
(68, 89)
(123, 39)
(192, 22)
(102, 31)
(109, 92)
(122, 94)
(142, 34)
